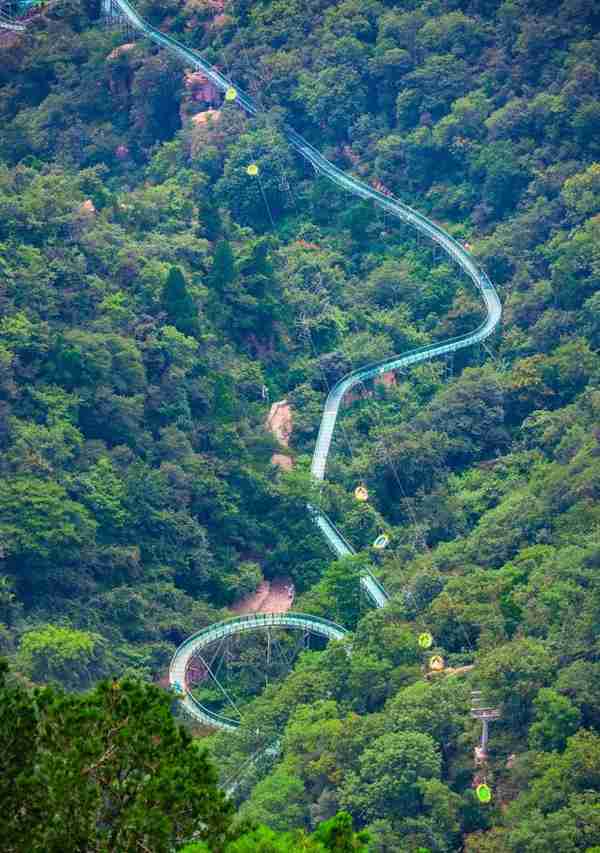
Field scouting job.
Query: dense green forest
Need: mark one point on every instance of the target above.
(155, 297)
(109, 770)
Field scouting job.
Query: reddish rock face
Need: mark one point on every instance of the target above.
(201, 89)
(220, 21)
(280, 422)
(376, 184)
(281, 460)
(87, 208)
(303, 244)
(388, 379)
(119, 51)
(205, 116)
(275, 596)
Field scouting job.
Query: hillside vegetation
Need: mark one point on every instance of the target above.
(155, 298)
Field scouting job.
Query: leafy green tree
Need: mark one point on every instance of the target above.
(391, 771)
(571, 829)
(586, 124)
(336, 95)
(332, 836)
(74, 658)
(9, 603)
(358, 219)
(246, 580)
(438, 709)
(41, 526)
(19, 742)
(316, 733)
(558, 778)
(104, 493)
(153, 101)
(254, 199)
(581, 683)
(279, 801)
(341, 589)
(336, 835)
(515, 672)
(556, 720)
(222, 273)
(580, 193)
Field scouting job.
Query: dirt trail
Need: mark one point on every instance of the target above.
(282, 460)
(251, 603)
(276, 596)
(280, 597)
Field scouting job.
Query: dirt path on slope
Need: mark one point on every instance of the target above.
(276, 596)
(280, 597)
(251, 603)
(280, 424)
(280, 421)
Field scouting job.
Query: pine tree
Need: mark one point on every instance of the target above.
(222, 273)
(179, 305)
(104, 770)
(210, 220)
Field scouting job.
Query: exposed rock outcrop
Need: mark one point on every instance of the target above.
(120, 50)
(280, 421)
(200, 89)
(206, 116)
(275, 596)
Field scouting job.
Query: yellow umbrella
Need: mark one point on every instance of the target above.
(230, 94)
(361, 494)
(252, 170)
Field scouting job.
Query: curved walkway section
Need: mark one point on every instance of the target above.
(7, 23)
(194, 645)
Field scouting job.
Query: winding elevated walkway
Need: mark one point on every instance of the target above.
(399, 210)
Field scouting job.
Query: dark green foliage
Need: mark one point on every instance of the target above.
(112, 769)
(179, 305)
(116, 772)
(222, 272)
(336, 834)
(556, 720)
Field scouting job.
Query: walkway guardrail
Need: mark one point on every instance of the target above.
(204, 638)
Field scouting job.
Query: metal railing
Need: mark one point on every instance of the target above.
(202, 639)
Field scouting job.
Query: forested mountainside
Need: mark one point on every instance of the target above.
(115, 772)
(156, 297)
